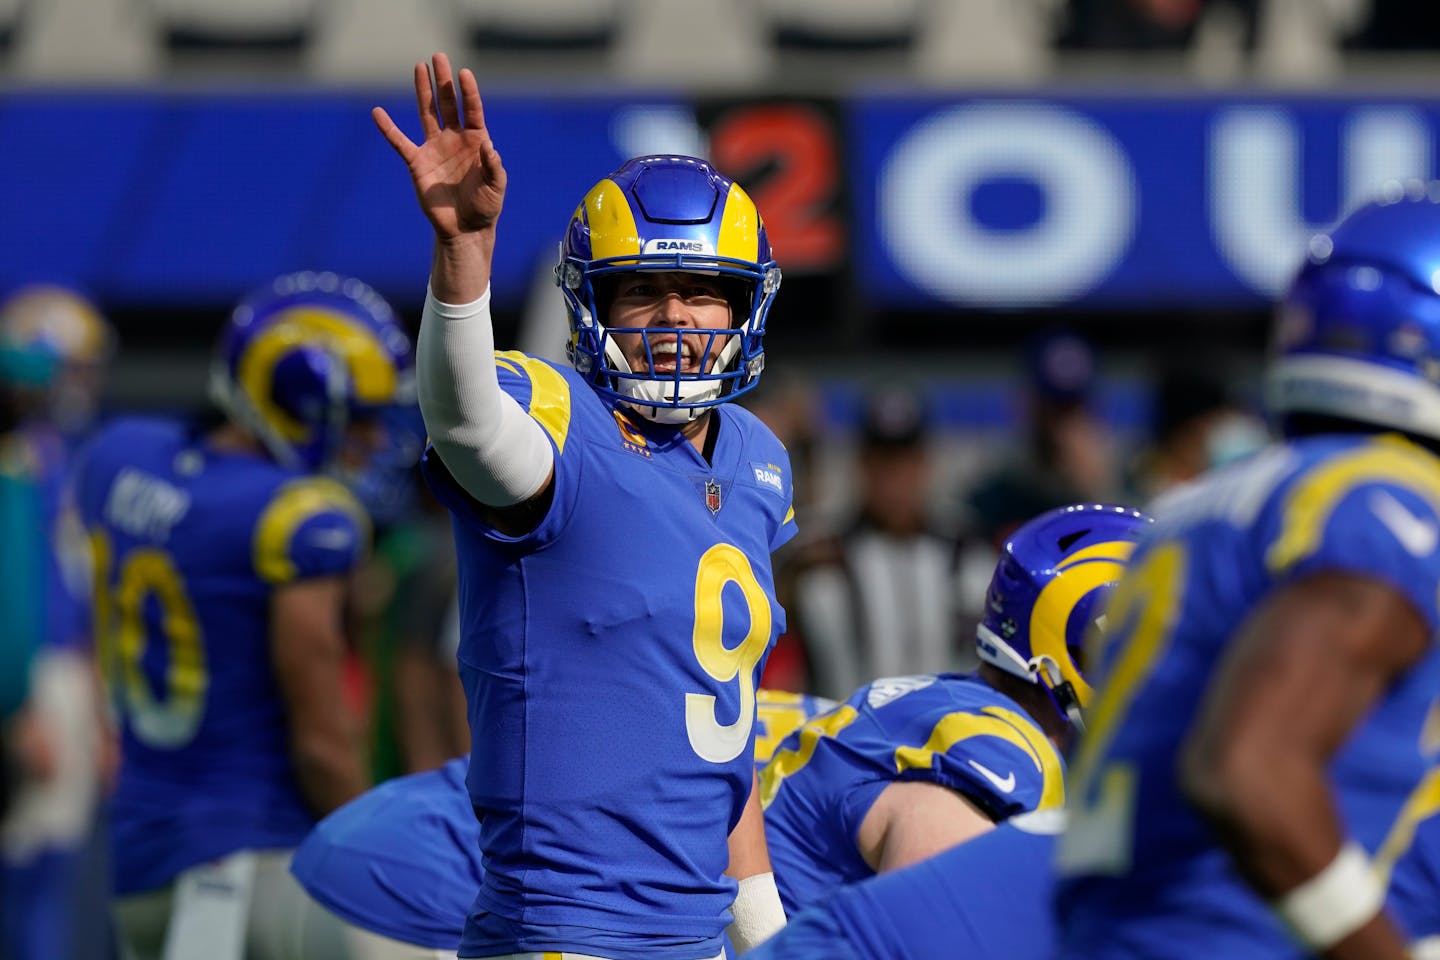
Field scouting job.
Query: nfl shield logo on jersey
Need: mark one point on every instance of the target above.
(712, 496)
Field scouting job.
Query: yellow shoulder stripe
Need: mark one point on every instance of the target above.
(1311, 502)
(549, 393)
(992, 721)
(1423, 803)
(296, 502)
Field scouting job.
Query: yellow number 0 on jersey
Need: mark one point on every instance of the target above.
(121, 637)
(724, 564)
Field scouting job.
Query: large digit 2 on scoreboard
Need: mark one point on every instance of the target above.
(785, 156)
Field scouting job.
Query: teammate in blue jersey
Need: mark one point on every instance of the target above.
(911, 766)
(1270, 663)
(614, 524)
(222, 551)
(391, 874)
(1412, 852)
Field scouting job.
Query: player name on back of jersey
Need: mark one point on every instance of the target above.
(145, 506)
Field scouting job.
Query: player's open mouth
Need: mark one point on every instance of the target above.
(663, 355)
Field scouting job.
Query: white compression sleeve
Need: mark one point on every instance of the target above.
(490, 445)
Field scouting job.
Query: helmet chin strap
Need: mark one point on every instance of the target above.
(1048, 674)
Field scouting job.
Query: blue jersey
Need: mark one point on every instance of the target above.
(403, 860)
(779, 713)
(1412, 851)
(986, 899)
(190, 544)
(642, 601)
(1142, 875)
(947, 729)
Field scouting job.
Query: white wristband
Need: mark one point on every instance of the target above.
(1335, 902)
(757, 911)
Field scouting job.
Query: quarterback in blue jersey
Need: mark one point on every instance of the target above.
(391, 874)
(614, 523)
(1270, 664)
(911, 766)
(221, 553)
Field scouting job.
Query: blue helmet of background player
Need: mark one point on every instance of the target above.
(668, 213)
(302, 359)
(1358, 334)
(1049, 587)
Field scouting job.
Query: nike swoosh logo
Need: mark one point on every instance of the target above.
(1417, 536)
(1004, 784)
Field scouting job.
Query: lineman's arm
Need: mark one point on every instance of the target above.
(1300, 675)
(492, 448)
(308, 651)
(912, 820)
(757, 910)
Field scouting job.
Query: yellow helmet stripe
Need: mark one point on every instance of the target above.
(372, 373)
(611, 221)
(1079, 574)
(739, 227)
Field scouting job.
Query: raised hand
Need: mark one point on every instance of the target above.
(457, 173)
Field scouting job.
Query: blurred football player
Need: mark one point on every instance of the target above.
(65, 325)
(1270, 660)
(54, 873)
(391, 874)
(221, 555)
(614, 524)
(911, 766)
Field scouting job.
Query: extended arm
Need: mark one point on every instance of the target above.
(1302, 674)
(489, 444)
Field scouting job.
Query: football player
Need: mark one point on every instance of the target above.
(391, 874)
(614, 523)
(57, 343)
(221, 554)
(1270, 658)
(911, 766)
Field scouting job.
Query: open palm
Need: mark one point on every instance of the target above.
(457, 172)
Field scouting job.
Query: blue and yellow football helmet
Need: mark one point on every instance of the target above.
(305, 357)
(1357, 336)
(668, 213)
(1049, 588)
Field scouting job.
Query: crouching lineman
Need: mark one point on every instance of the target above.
(221, 555)
(988, 897)
(909, 767)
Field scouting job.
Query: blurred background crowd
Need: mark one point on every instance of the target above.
(1029, 248)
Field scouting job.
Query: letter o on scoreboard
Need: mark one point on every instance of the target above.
(925, 218)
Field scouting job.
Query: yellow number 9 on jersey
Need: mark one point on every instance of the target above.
(721, 565)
